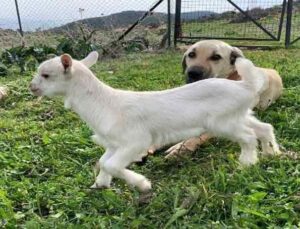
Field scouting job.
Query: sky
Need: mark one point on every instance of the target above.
(49, 13)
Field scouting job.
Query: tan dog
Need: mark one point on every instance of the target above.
(215, 59)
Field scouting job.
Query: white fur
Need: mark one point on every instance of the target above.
(127, 123)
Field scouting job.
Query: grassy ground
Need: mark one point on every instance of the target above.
(47, 158)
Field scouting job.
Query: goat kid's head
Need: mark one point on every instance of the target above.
(53, 76)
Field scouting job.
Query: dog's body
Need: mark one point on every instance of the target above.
(127, 123)
(213, 59)
(3, 92)
(272, 91)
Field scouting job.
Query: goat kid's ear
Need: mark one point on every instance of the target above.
(91, 59)
(183, 63)
(235, 53)
(66, 61)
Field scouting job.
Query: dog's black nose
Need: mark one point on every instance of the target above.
(194, 74)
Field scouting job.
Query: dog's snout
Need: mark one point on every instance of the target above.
(195, 73)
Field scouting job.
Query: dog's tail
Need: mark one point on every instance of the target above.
(252, 76)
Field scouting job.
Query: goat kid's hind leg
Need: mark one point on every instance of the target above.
(116, 166)
(265, 133)
(103, 179)
(247, 140)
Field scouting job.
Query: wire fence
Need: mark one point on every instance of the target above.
(236, 20)
(295, 21)
(249, 20)
(219, 18)
(106, 21)
(47, 22)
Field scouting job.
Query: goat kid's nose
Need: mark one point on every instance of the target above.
(32, 86)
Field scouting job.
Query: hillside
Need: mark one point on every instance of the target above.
(127, 18)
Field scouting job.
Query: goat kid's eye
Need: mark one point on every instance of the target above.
(45, 76)
(192, 55)
(215, 57)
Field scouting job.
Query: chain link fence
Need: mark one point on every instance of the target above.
(106, 23)
(101, 22)
(227, 19)
(295, 21)
(255, 22)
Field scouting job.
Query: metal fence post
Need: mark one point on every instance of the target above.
(289, 12)
(177, 21)
(169, 23)
(19, 18)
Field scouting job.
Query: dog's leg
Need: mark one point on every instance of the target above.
(189, 145)
(103, 179)
(116, 166)
(265, 134)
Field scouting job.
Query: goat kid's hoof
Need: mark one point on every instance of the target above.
(98, 186)
(145, 186)
(273, 153)
(245, 162)
(277, 151)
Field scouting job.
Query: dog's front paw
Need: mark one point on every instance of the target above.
(176, 150)
(180, 149)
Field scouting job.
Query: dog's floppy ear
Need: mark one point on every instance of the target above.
(235, 53)
(66, 61)
(91, 59)
(183, 63)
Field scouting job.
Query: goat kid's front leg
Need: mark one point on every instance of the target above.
(116, 166)
(103, 179)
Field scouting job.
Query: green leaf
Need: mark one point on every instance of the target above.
(57, 215)
(258, 196)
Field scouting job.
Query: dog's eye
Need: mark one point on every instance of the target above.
(45, 76)
(215, 57)
(192, 55)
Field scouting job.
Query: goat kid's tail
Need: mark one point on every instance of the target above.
(251, 75)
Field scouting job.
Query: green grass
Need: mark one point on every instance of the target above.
(47, 158)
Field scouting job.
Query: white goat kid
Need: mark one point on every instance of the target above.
(127, 123)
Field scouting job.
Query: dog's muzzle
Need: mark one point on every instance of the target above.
(195, 73)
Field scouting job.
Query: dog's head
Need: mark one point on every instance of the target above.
(209, 59)
(53, 76)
